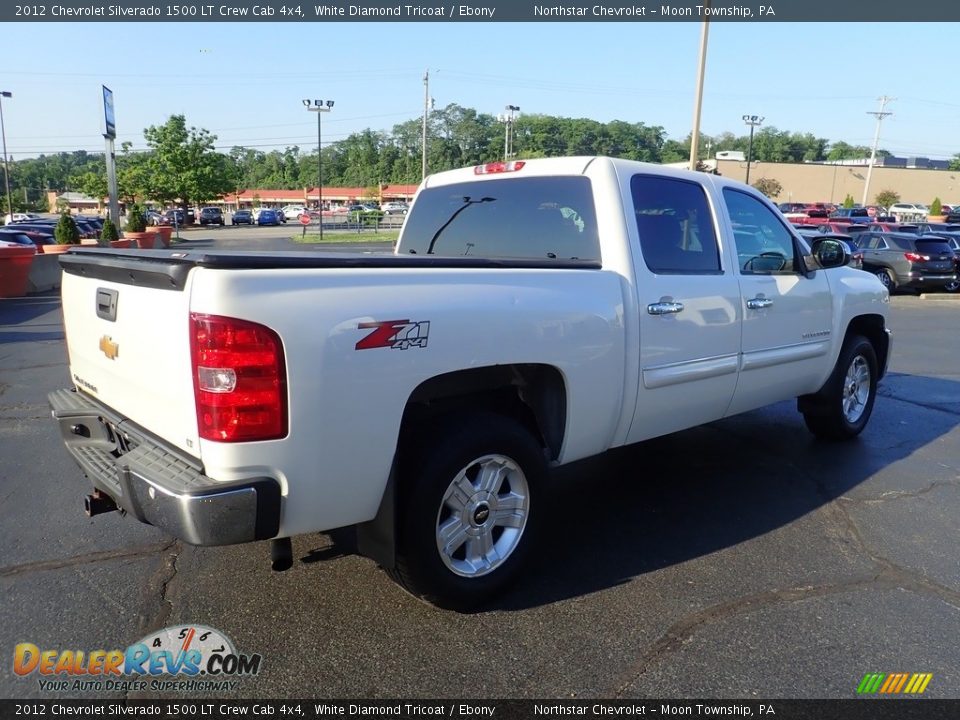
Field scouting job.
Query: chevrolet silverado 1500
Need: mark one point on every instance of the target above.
(533, 313)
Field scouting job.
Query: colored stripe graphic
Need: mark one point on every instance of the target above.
(894, 683)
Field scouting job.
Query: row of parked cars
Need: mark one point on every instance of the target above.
(914, 256)
(30, 229)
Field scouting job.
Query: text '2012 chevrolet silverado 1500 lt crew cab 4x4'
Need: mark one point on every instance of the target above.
(533, 313)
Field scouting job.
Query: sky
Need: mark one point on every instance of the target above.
(245, 82)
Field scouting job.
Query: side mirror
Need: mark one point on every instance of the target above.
(830, 252)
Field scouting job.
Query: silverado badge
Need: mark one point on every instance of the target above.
(109, 348)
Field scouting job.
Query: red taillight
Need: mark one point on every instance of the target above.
(239, 379)
(916, 257)
(499, 167)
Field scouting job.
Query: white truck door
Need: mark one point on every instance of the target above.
(787, 316)
(689, 307)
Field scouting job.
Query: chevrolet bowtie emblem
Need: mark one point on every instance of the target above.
(109, 348)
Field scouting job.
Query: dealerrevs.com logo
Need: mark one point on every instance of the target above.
(188, 658)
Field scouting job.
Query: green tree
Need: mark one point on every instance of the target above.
(848, 201)
(769, 187)
(954, 163)
(936, 207)
(136, 219)
(66, 231)
(183, 166)
(886, 198)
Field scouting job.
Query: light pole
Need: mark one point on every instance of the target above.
(753, 121)
(507, 120)
(6, 167)
(319, 107)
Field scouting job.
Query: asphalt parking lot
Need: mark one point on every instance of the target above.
(739, 559)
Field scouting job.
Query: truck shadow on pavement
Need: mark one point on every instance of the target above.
(18, 318)
(669, 500)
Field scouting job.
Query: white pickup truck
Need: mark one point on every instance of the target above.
(533, 313)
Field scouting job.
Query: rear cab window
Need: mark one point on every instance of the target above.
(535, 217)
(675, 225)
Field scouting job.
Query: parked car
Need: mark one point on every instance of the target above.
(902, 260)
(211, 216)
(175, 216)
(520, 331)
(241, 217)
(954, 242)
(954, 215)
(8, 219)
(844, 228)
(855, 214)
(25, 237)
(293, 211)
(154, 218)
(268, 216)
(281, 216)
(395, 208)
(908, 212)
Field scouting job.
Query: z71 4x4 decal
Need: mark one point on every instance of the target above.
(394, 334)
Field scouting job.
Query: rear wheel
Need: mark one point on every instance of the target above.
(952, 286)
(843, 406)
(467, 515)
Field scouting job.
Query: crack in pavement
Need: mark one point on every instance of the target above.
(891, 495)
(888, 577)
(88, 558)
(926, 406)
(159, 583)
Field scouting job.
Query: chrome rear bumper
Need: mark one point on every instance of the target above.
(158, 484)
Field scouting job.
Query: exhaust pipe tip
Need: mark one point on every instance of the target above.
(281, 554)
(98, 503)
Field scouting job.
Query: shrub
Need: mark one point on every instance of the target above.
(769, 187)
(136, 219)
(848, 201)
(109, 232)
(66, 232)
(886, 198)
(936, 207)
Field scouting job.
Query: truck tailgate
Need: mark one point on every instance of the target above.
(127, 328)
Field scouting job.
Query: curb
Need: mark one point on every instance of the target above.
(944, 296)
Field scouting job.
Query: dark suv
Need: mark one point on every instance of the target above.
(211, 216)
(902, 260)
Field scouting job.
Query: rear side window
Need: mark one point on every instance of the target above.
(535, 217)
(675, 225)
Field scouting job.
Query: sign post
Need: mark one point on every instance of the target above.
(109, 135)
(304, 221)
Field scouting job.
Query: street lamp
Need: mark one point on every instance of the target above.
(6, 167)
(753, 121)
(319, 107)
(508, 130)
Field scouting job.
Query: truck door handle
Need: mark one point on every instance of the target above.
(664, 308)
(759, 303)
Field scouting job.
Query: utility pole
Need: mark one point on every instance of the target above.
(426, 112)
(879, 115)
(698, 99)
(6, 166)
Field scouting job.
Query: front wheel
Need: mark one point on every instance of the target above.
(468, 509)
(952, 286)
(886, 278)
(842, 408)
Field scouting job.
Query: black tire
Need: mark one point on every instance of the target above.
(886, 277)
(952, 286)
(461, 449)
(835, 412)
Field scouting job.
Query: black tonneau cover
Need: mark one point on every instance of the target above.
(168, 269)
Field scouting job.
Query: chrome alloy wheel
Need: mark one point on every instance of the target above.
(482, 516)
(856, 389)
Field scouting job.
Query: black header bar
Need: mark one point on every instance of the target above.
(824, 11)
